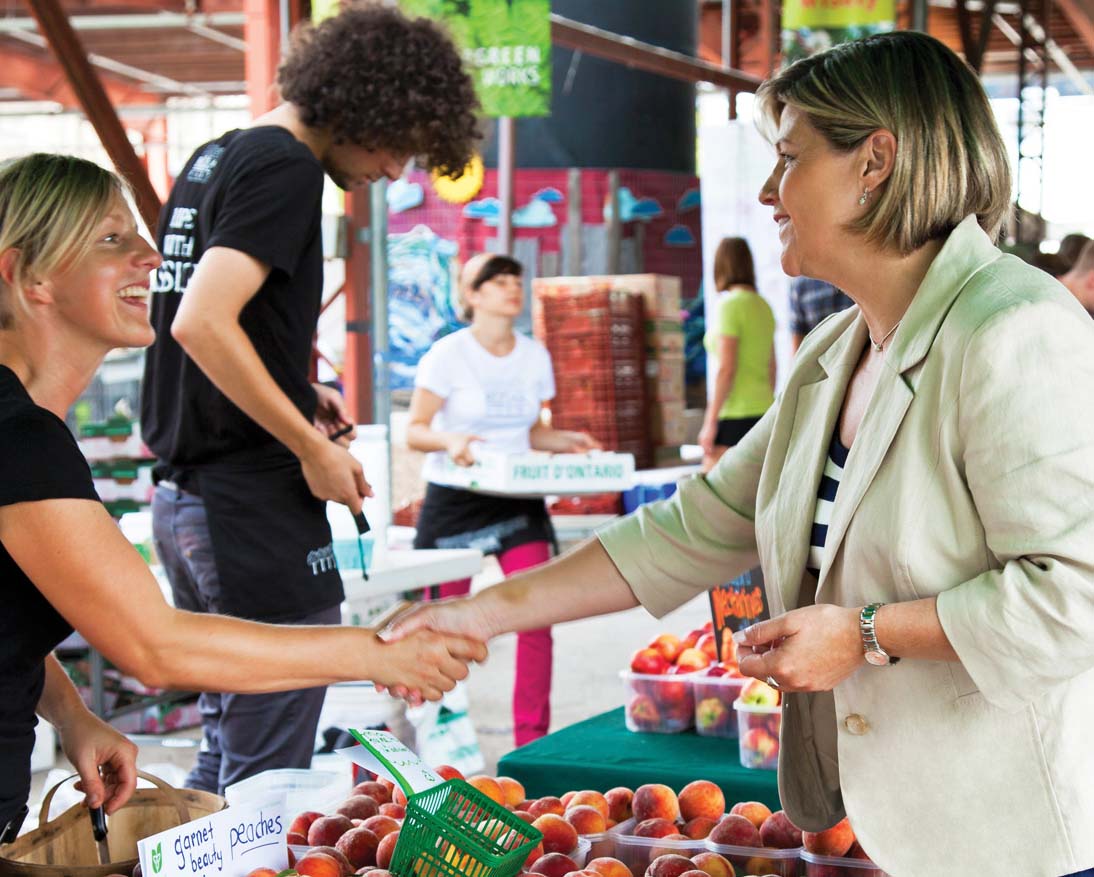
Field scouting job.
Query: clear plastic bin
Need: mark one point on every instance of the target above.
(758, 728)
(715, 715)
(659, 704)
(759, 860)
(637, 852)
(835, 866)
(580, 854)
(319, 790)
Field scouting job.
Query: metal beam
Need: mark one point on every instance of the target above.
(66, 46)
(40, 79)
(644, 56)
(163, 83)
(974, 44)
(1079, 20)
(139, 21)
(263, 36)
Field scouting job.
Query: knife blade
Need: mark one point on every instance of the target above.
(98, 831)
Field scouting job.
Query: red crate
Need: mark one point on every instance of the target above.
(589, 504)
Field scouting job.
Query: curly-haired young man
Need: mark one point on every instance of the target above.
(244, 472)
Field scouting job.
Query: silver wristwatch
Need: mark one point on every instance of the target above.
(872, 651)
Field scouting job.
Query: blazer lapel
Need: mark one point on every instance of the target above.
(817, 407)
(965, 252)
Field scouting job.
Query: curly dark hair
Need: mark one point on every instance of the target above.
(377, 79)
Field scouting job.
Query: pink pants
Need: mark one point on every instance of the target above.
(532, 687)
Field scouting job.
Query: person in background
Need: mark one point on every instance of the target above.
(74, 284)
(919, 492)
(741, 346)
(487, 385)
(239, 512)
(1080, 279)
(812, 301)
(1070, 247)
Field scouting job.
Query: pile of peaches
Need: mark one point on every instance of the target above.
(648, 832)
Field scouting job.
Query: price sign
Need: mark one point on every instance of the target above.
(736, 605)
(382, 753)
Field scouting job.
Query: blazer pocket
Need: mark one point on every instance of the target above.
(964, 688)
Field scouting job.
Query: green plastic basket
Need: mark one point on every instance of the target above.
(455, 830)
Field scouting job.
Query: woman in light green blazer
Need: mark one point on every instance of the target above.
(951, 415)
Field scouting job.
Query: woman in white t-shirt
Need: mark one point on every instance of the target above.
(488, 383)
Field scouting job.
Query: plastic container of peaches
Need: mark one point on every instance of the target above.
(637, 852)
(715, 696)
(759, 860)
(834, 866)
(758, 727)
(658, 704)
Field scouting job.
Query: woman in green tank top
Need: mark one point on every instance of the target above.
(740, 344)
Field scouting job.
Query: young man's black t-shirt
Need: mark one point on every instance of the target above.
(39, 460)
(259, 191)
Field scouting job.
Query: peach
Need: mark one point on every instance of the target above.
(302, 823)
(379, 793)
(708, 645)
(713, 864)
(694, 872)
(753, 811)
(668, 645)
(699, 827)
(365, 869)
(760, 865)
(584, 872)
(834, 841)
(257, 872)
(488, 786)
(655, 827)
(619, 803)
(319, 865)
(558, 835)
(588, 797)
(395, 811)
(294, 839)
(448, 772)
(857, 852)
(702, 798)
(511, 790)
(655, 801)
(386, 849)
(326, 830)
(649, 661)
(376, 872)
(335, 854)
(525, 815)
(670, 865)
(567, 798)
(553, 865)
(779, 832)
(398, 796)
(359, 846)
(735, 831)
(358, 807)
(586, 819)
(546, 804)
(666, 849)
(606, 866)
(381, 826)
(291, 857)
(692, 659)
(533, 856)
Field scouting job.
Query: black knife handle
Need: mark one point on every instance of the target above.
(98, 823)
(362, 523)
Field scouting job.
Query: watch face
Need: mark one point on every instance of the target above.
(878, 659)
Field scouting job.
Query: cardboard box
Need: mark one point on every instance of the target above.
(664, 338)
(667, 423)
(540, 474)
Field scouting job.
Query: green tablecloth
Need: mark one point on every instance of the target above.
(600, 753)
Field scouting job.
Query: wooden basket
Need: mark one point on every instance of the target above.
(65, 847)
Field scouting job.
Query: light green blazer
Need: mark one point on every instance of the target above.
(971, 478)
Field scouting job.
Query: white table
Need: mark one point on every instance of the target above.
(411, 570)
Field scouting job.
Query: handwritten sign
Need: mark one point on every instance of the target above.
(383, 753)
(736, 605)
(231, 843)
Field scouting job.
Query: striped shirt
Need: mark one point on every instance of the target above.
(826, 498)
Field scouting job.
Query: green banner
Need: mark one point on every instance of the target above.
(507, 47)
(811, 26)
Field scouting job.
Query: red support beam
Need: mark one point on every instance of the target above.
(357, 374)
(261, 32)
(96, 104)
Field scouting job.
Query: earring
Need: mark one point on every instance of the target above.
(862, 198)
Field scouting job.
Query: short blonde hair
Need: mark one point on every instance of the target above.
(49, 208)
(951, 160)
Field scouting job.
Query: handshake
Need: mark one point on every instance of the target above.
(424, 649)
